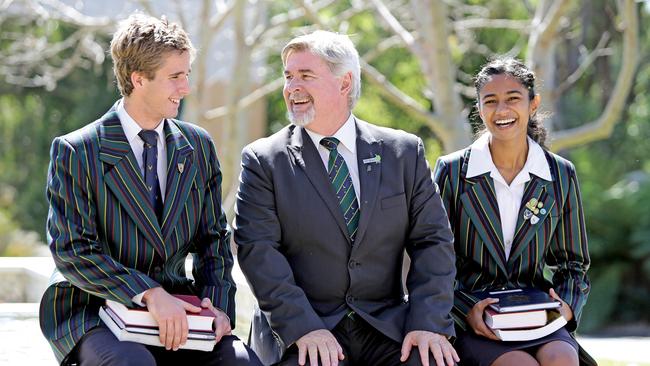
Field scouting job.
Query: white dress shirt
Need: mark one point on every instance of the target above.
(508, 196)
(347, 135)
(131, 130)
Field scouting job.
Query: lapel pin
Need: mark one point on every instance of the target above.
(527, 214)
(181, 167)
(532, 204)
(534, 219)
(542, 211)
(374, 160)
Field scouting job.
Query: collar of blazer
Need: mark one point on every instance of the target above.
(123, 178)
(305, 155)
(479, 201)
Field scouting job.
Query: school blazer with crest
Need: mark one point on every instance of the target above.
(558, 240)
(104, 235)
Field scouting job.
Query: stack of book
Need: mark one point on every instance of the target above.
(521, 314)
(138, 325)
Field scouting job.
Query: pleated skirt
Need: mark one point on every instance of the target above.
(475, 350)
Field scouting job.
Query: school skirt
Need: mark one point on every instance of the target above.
(475, 350)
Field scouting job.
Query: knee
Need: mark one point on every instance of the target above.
(130, 354)
(416, 360)
(560, 358)
(232, 351)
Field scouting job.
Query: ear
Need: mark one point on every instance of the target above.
(480, 111)
(346, 83)
(137, 79)
(534, 104)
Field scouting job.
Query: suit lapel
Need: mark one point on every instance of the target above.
(123, 177)
(543, 191)
(480, 204)
(180, 175)
(307, 158)
(369, 175)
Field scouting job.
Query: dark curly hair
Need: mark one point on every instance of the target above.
(526, 77)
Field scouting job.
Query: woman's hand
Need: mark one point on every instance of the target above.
(565, 310)
(475, 319)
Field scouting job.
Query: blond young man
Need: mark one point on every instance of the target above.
(131, 195)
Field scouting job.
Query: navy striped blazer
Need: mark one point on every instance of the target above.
(550, 253)
(104, 235)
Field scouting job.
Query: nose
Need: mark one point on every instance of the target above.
(501, 107)
(184, 86)
(292, 85)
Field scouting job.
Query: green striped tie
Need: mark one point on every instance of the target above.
(342, 183)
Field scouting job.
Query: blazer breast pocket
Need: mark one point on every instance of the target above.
(393, 201)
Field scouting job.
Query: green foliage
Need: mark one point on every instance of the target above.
(30, 118)
(615, 185)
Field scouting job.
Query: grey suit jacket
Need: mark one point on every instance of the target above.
(294, 248)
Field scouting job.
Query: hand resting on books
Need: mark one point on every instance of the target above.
(475, 319)
(221, 320)
(170, 314)
(565, 310)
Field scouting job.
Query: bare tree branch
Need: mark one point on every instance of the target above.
(220, 16)
(598, 51)
(521, 25)
(248, 100)
(59, 10)
(396, 26)
(603, 126)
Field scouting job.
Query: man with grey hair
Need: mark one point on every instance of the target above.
(326, 210)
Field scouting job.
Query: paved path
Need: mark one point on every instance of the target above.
(23, 344)
(21, 341)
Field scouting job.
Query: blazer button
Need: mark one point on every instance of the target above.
(349, 298)
(157, 270)
(353, 264)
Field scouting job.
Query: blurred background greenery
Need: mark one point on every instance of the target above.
(55, 76)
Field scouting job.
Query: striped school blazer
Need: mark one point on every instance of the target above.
(551, 252)
(104, 235)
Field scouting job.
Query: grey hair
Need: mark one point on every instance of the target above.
(337, 50)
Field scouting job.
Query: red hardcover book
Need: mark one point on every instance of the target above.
(140, 317)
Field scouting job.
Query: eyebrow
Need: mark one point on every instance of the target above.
(180, 73)
(300, 71)
(508, 92)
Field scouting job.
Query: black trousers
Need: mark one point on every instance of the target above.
(100, 347)
(362, 345)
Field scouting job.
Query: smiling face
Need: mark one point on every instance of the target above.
(314, 96)
(504, 106)
(159, 97)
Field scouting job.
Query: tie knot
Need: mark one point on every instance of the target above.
(149, 136)
(330, 143)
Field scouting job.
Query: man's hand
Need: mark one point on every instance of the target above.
(565, 310)
(437, 344)
(475, 319)
(170, 314)
(319, 342)
(221, 320)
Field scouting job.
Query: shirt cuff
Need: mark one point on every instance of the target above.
(137, 299)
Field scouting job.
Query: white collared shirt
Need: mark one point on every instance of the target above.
(508, 196)
(347, 135)
(131, 130)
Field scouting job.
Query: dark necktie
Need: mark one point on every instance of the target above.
(150, 161)
(341, 181)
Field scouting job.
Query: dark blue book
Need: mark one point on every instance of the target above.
(518, 299)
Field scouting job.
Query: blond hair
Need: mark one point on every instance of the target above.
(139, 45)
